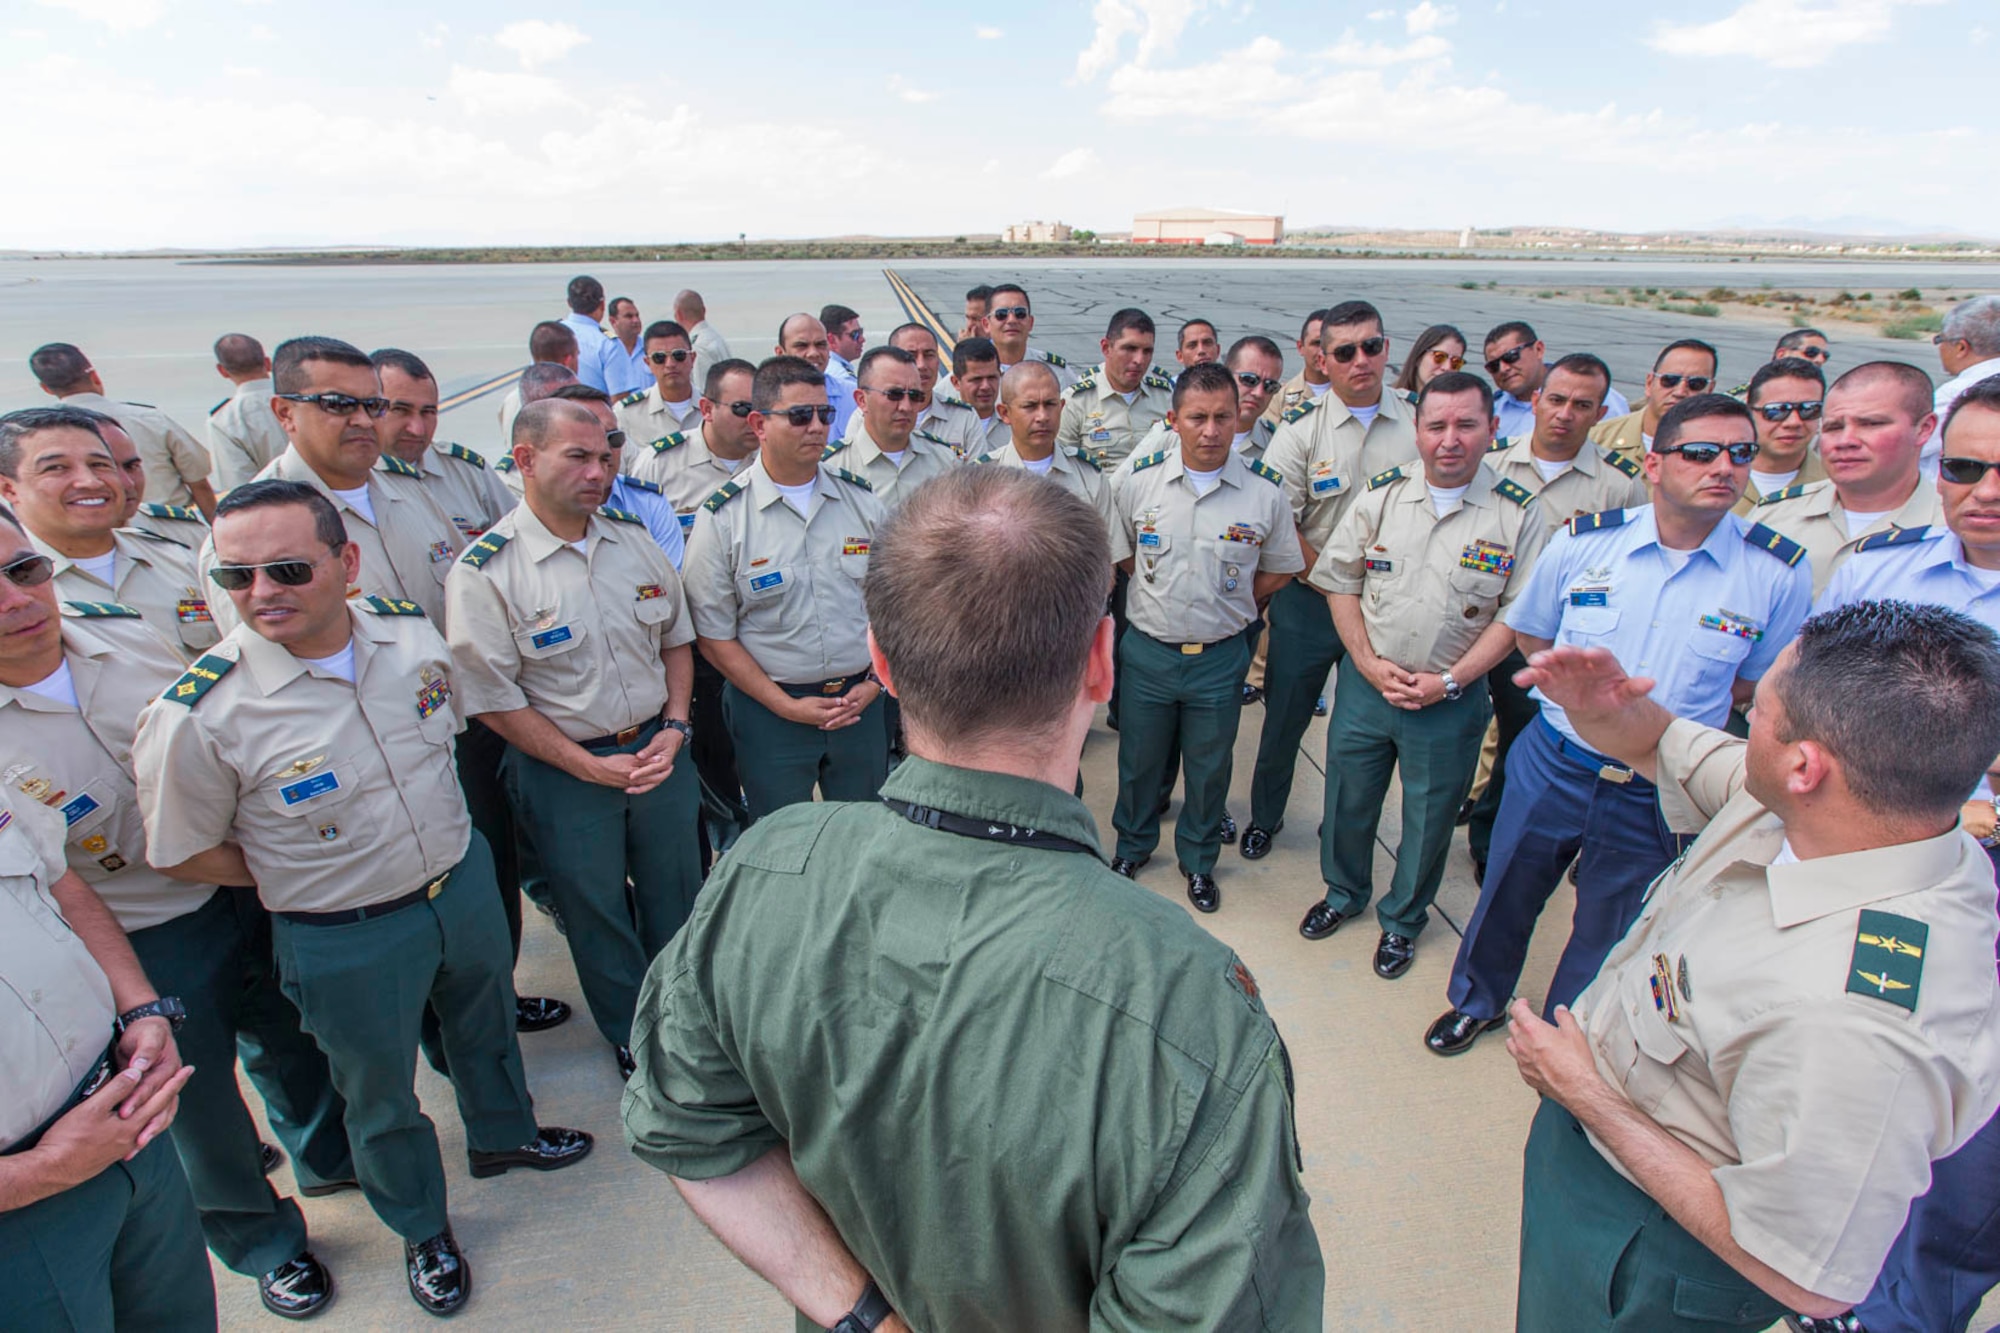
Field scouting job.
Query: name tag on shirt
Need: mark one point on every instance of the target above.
(1589, 596)
(770, 580)
(1381, 566)
(1150, 540)
(549, 638)
(1326, 485)
(319, 784)
(687, 522)
(78, 807)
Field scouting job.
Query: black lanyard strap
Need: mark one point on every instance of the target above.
(986, 830)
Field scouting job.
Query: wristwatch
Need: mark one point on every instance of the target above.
(675, 724)
(168, 1007)
(1992, 839)
(1452, 689)
(869, 1311)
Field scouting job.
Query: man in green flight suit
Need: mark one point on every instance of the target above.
(971, 910)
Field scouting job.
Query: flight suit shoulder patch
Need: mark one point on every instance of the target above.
(1381, 479)
(393, 464)
(730, 490)
(464, 455)
(1894, 537)
(1792, 492)
(199, 679)
(1150, 460)
(1888, 959)
(219, 406)
(1777, 543)
(179, 513)
(1598, 522)
(1513, 490)
(1624, 464)
(1302, 411)
(484, 549)
(633, 399)
(1267, 472)
(99, 611)
(1083, 456)
(391, 606)
(620, 515)
(852, 479)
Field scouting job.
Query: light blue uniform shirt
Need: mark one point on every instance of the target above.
(1517, 418)
(1727, 612)
(655, 510)
(626, 371)
(840, 386)
(590, 342)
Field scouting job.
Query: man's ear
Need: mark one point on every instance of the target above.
(1099, 669)
(880, 664)
(1812, 770)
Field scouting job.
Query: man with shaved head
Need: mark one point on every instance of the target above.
(243, 435)
(1031, 404)
(803, 336)
(709, 347)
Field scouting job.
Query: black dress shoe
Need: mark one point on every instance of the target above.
(539, 1013)
(1454, 1033)
(1464, 815)
(1393, 955)
(440, 1279)
(627, 1065)
(1126, 866)
(552, 1149)
(1321, 920)
(1571, 875)
(1840, 1323)
(272, 1159)
(1319, 706)
(329, 1187)
(1251, 694)
(1228, 828)
(299, 1288)
(1256, 842)
(1202, 891)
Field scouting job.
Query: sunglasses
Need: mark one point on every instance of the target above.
(1510, 357)
(615, 438)
(290, 573)
(1695, 383)
(31, 571)
(1251, 381)
(739, 408)
(897, 395)
(1703, 452)
(1008, 312)
(1440, 357)
(1776, 412)
(802, 415)
(1815, 353)
(338, 404)
(1957, 471)
(678, 355)
(1367, 347)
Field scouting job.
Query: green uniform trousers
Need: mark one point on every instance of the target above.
(361, 989)
(217, 959)
(623, 870)
(120, 1251)
(1367, 740)
(1304, 648)
(1597, 1253)
(781, 762)
(1190, 700)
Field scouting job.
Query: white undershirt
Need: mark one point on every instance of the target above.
(1677, 560)
(1444, 499)
(1551, 468)
(1646, 442)
(341, 664)
(1771, 482)
(729, 464)
(58, 686)
(1203, 482)
(682, 408)
(358, 500)
(1319, 390)
(1858, 522)
(798, 497)
(581, 546)
(1786, 856)
(1128, 397)
(103, 568)
(1039, 466)
(1365, 415)
(896, 459)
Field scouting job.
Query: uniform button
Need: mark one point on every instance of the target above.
(1471, 612)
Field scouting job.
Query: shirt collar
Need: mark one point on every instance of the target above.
(1807, 890)
(123, 545)
(1000, 797)
(273, 667)
(1720, 544)
(540, 543)
(1971, 375)
(1231, 473)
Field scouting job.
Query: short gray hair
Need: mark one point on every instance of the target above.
(1977, 321)
(537, 422)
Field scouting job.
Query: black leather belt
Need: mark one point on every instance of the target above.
(1189, 649)
(830, 688)
(348, 916)
(99, 1075)
(625, 737)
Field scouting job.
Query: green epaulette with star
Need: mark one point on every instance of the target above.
(391, 606)
(633, 399)
(1302, 411)
(641, 484)
(1157, 379)
(1513, 490)
(851, 478)
(147, 534)
(620, 515)
(463, 454)
(1381, 479)
(1598, 522)
(179, 513)
(1499, 446)
(219, 406)
(100, 611)
(730, 490)
(1792, 492)
(1055, 360)
(1894, 537)
(667, 442)
(926, 435)
(1087, 382)
(1267, 472)
(1083, 456)
(505, 464)
(1888, 959)
(391, 463)
(199, 679)
(1150, 460)
(831, 450)
(1624, 464)
(1777, 543)
(484, 549)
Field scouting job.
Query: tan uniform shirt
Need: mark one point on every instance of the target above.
(1826, 1028)
(341, 795)
(1195, 558)
(787, 588)
(405, 553)
(1624, 435)
(1593, 482)
(510, 407)
(577, 636)
(172, 456)
(709, 348)
(1162, 436)
(1099, 420)
(685, 469)
(244, 435)
(1070, 469)
(1065, 376)
(177, 523)
(1812, 516)
(155, 577)
(1326, 457)
(949, 423)
(1294, 393)
(644, 419)
(469, 491)
(891, 481)
(56, 1009)
(992, 430)
(1430, 586)
(78, 761)
(1810, 471)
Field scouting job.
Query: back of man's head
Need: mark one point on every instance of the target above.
(551, 341)
(1906, 698)
(239, 354)
(585, 294)
(59, 366)
(993, 647)
(689, 309)
(542, 379)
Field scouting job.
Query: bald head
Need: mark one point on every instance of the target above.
(1027, 375)
(238, 354)
(544, 378)
(688, 308)
(803, 336)
(540, 424)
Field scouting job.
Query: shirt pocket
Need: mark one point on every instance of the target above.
(1718, 654)
(1657, 1047)
(1588, 625)
(318, 807)
(1475, 593)
(19, 862)
(854, 566)
(1236, 564)
(93, 822)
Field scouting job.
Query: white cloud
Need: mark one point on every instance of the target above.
(434, 39)
(1157, 23)
(1428, 17)
(1075, 162)
(118, 15)
(988, 34)
(900, 86)
(487, 93)
(537, 42)
(1235, 82)
(1381, 15)
(1351, 50)
(1784, 34)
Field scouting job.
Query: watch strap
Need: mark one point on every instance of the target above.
(868, 1312)
(686, 729)
(159, 1008)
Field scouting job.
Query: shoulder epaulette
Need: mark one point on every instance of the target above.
(983, 458)
(100, 610)
(1777, 543)
(199, 679)
(1083, 456)
(1513, 490)
(1267, 472)
(1157, 380)
(851, 478)
(1792, 492)
(484, 549)
(1381, 479)
(641, 484)
(1302, 410)
(504, 464)
(391, 463)
(730, 490)
(180, 513)
(1055, 360)
(832, 449)
(1598, 522)
(463, 454)
(1089, 381)
(666, 442)
(148, 534)
(1409, 396)
(391, 606)
(1893, 946)
(219, 406)
(633, 398)
(1150, 460)
(1499, 446)
(926, 435)
(1894, 537)
(1624, 464)
(620, 515)
(134, 403)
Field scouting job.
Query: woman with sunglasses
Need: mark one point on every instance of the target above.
(1438, 349)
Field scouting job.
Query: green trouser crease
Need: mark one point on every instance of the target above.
(1367, 740)
(1304, 648)
(1192, 701)
(1598, 1254)
(781, 762)
(361, 990)
(623, 870)
(217, 959)
(121, 1250)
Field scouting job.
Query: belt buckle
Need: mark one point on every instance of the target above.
(627, 736)
(1193, 649)
(1613, 773)
(436, 886)
(834, 686)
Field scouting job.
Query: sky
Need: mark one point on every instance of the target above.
(199, 123)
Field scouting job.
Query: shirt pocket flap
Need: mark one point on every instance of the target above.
(655, 610)
(302, 794)
(1591, 620)
(1719, 645)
